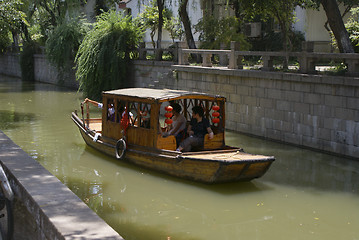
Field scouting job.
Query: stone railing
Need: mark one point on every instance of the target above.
(307, 60)
(158, 52)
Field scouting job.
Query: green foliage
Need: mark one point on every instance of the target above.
(63, 43)
(5, 40)
(11, 19)
(105, 52)
(149, 19)
(273, 41)
(215, 31)
(174, 27)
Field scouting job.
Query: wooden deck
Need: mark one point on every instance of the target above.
(231, 155)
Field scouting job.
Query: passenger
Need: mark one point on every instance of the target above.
(197, 129)
(111, 109)
(178, 126)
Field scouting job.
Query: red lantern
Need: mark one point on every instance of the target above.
(215, 120)
(168, 121)
(215, 114)
(215, 108)
(169, 108)
(168, 114)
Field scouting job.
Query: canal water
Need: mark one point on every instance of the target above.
(304, 195)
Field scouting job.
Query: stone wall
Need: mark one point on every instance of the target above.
(45, 72)
(10, 64)
(315, 111)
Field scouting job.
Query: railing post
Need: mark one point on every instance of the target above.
(175, 51)
(158, 54)
(353, 67)
(142, 51)
(206, 60)
(235, 62)
(182, 57)
(223, 58)
(306, 63)
(267, 63)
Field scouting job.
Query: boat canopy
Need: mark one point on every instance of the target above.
(161, 95)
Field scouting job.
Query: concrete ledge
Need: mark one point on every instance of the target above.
(290, 77)
(58, 212)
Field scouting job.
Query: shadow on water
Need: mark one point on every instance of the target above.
(16, 85)
(11, 119)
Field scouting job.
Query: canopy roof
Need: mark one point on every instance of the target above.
(161, 95)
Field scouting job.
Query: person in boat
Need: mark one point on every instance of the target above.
(197, 129)
(178, 126)
(111, 109)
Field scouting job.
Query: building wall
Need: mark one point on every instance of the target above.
(320, 112)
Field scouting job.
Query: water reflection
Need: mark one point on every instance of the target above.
(11, 118)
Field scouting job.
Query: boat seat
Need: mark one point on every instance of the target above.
(216, 142)
(168, 143)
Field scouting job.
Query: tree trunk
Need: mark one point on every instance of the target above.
(160, 6)
(337, 25)
(186, 24)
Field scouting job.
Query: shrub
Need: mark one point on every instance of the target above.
(213, 32)
(63, 43)
(105, 52)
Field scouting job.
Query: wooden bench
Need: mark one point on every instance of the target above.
(168, 143)
(216, 142)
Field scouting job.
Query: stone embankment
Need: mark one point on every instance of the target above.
(44, 207)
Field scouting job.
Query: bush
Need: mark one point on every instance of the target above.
(273, 41)
(5, 40)
(105, 52)
(215, 31)
(63, 43)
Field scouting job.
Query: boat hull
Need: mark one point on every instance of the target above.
(207, 167)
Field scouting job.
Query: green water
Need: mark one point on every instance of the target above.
(304, 195)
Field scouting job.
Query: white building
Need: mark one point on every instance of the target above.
(134, 7)
(310, 22)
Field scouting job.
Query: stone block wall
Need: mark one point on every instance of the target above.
(316, 111)
(10, 64)
(45, 72)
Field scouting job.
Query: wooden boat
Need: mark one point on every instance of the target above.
(135, 133)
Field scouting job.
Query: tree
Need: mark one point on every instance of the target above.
(186, 23)
(337, 25)
(105, 52)
(214, 32)
(63, 43)
(281, 11)
(11, 20)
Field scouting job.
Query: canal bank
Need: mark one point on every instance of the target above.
(44, 207)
